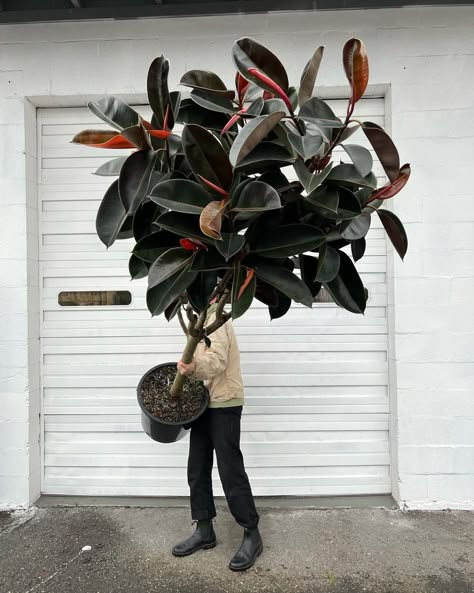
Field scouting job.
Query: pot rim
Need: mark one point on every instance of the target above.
(157, 418)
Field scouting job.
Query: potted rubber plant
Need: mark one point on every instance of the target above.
(217, 220)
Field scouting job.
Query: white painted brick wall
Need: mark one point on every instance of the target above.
(425, 57)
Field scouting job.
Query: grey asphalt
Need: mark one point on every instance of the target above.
(306, 551)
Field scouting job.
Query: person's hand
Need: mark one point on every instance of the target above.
(186, 369)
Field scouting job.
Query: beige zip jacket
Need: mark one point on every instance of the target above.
(219, 367)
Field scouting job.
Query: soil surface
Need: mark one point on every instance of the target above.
(157, 400)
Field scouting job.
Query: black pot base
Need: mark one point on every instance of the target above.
(163, 431)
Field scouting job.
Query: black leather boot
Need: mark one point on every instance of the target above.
(204, 538)
(250, 549)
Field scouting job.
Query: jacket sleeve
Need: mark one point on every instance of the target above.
(214, 360)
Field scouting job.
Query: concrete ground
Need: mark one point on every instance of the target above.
(306, 551)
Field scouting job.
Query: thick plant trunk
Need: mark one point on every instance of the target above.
(187, 358)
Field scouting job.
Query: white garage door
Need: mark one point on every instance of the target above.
(317, 415)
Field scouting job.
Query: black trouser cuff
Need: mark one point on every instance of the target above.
(202, 515)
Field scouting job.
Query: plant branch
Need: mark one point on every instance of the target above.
(181, 322)
(217, 324)
(222, 285)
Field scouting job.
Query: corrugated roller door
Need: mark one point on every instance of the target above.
(317, 415)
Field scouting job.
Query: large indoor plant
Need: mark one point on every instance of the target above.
(216, 221)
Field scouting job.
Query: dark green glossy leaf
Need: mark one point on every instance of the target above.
(110, 216)
(175, 99)
(288, 240)
(395, 231)
(237, 188)
(347, 289)
(137, 268)
(285, 281)
(172, 310)
(349, 129)
(208, 260)
(175, 145)
(181, 195)
(162, 295)
(152, 246)
(265, 154)
(184, 225)
(213, 102)
(358, 248)
(266, 294)
(206, 156)
(361, 158)
(251, 135)
(248, 53)
(293, 96)
(144, 218)
(276, 179)
(126, 230)
(158, 92)
(112, 167)
(257, 196)
(191, 113)
(167, 264)
(324, 197)
(348, 207)
(264, 224)
(308, 268)
(348, 176)
(310, 181)
(274, 105)
(231, 244)
(255, 108)
(138, 136)
(328, 264)
(200, 291)
(115, 112)
(363, 195)
(240, 305)
(357, 228)
(308, 78)
(308, 145)
(134, 179)
(282, 306)
(206, 81)
(384, 148)
(318, 111)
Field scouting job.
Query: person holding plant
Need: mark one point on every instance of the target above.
(219, 429)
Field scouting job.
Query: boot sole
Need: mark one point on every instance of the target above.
(247, 566)
(203, 547)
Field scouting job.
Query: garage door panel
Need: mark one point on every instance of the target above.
(57, 329)
(251, 422)
(62, 453)
(266, 380)
(275, 366)
(327, 349)
(317, 415)
(300, 356)
(117, 488)
(297, 465)
(324, 394)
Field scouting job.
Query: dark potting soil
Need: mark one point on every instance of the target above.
(155, 392)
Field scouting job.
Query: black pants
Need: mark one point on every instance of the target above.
(219, 429)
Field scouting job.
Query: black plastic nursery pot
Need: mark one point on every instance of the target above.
(160, 430)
